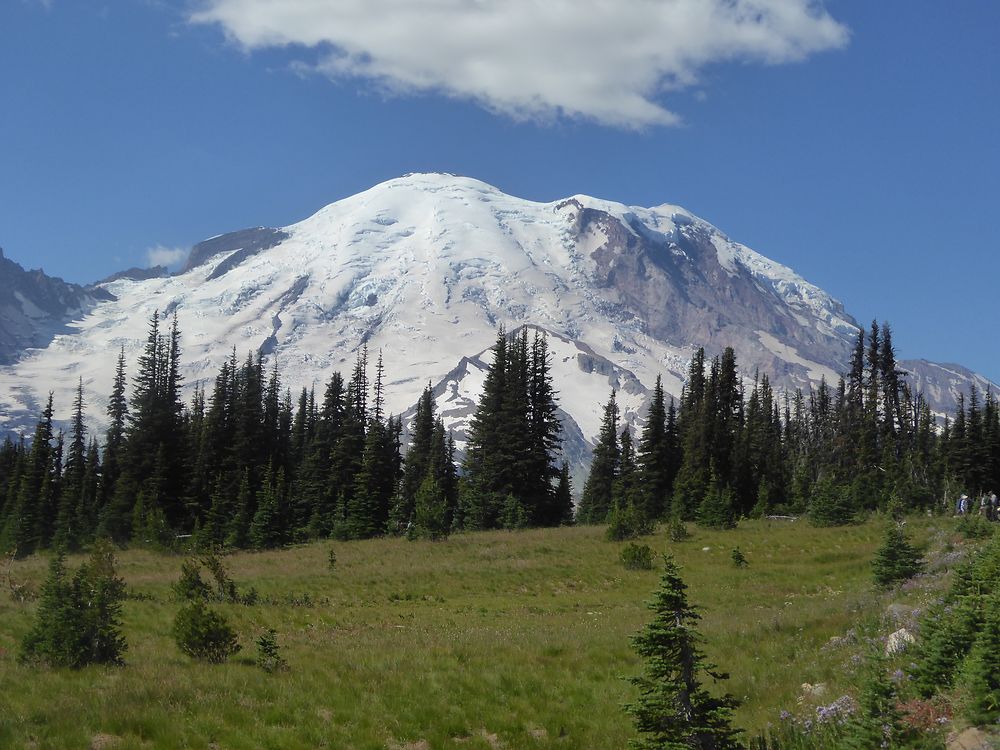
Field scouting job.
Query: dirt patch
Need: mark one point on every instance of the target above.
(101, 741)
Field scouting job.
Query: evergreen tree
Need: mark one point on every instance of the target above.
(982, 671)
(654, 457)
(717, 508)
(68, 534)
(598, 491)
(267, 528)
(877, 721)
(674, 710)
(484, 483)
(79, 620)
(418, 455)
(896, 560)
(24, 530)
(564, 495)
(430, 515)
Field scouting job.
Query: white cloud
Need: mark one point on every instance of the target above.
(165, 256)
(604, 60)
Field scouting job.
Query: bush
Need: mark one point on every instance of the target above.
(204, 634)
(79, 620)
(677, 531)
(975, 527)
(268, 657)
(190, 586)
(637, 556)
(331, 559)
(739, 559)
(627, 523)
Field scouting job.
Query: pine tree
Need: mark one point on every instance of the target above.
(79, 620)
(68, 534)
(674, 710)
(982, 670)
(877, 721)
(598, 491)
(564, 496)
(717, 508)
(896, 560)
(430, 514)
(654, 457)
(267, 528)
(484, 484)
(24, 530)
(418, 455)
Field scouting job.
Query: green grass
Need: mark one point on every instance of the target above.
(485, 640)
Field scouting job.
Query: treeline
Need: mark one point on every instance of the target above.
(242, 465)
(245, 465)
(728, 451)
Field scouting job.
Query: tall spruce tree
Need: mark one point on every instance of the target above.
(598, 491)
(674, 710)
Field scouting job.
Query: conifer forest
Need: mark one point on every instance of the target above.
(248, 464)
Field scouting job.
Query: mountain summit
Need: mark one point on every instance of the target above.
(424, 268)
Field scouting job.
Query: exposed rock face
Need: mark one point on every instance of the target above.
(34, 307)
(242, 245)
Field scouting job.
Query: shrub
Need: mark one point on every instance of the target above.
(190, 586)
(627, 523)
(79, 620)
(637, 556)
(268, 657)
(204, 634)
(331, 559)
(739, 559)
(975, 527)
(677, 531)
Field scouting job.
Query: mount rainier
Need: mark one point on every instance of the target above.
(424, 269)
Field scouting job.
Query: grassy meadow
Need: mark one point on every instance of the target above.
(486, 640)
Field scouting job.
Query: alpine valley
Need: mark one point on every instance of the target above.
(424, 269)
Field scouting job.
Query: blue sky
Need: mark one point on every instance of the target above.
(855, 141)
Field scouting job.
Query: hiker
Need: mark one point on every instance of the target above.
(991, 509)
(963, 504)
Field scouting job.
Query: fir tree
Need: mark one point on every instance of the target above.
(598, 491)
(982, 670)
(564, 495)
(24, 529)
(877, 721)
(896, 560)
(430, 515)
(654, 457)
(79, 620)
(674, 710)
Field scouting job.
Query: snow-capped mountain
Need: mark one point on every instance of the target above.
(424, 269)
